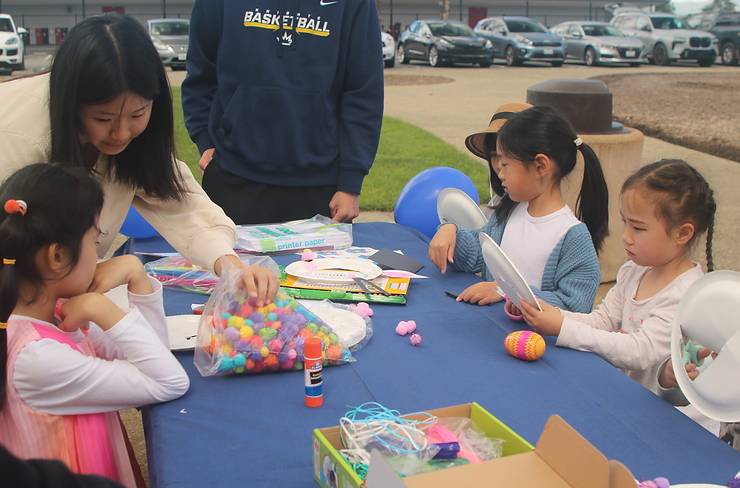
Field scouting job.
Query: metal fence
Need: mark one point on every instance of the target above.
(46, 31)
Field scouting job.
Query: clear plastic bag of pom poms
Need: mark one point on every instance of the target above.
(178, 272)
(236, 336)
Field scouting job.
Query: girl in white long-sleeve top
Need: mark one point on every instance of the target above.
(665, 207)
(67, 367)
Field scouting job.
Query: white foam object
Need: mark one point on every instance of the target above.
(505, 273)
(456, 207)
(707, 314)
(334, 270)
(182, 331)
(349, 326)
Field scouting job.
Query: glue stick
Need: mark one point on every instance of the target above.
(313, 364)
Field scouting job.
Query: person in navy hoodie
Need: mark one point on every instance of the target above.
(284, 100)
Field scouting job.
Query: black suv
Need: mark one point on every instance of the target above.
(724, 25)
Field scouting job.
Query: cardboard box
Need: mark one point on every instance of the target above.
(562, 459)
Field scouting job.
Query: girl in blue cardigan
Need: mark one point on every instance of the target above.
(553, 248)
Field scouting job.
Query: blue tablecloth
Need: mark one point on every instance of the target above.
(254, 430)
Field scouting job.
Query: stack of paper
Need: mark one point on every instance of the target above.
(315, 233)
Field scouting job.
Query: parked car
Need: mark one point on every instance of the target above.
(666, 36)
(170, 37)
(725, 26)
(443, 42)
(600, 42)
(520, 39)
(389, 49)
(11, 45)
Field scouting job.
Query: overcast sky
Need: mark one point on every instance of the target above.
(685, 7)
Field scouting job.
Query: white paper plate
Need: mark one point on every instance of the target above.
(333, 270)
(119, 295)
(349, 326)
(505, 273)
(707, 314)
(456, 206)
(183, 331)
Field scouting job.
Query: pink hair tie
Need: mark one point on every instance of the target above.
(16, 206)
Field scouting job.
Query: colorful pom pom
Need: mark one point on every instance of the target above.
(402, 328)
(363, 310)
(415, 339)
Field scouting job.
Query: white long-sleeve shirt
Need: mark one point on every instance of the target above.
(134, 366)
(632, 335)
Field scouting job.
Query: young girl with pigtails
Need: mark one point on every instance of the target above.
(70, 358)
(665, 207)
(553, 248)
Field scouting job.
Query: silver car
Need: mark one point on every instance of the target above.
(666, 36)
(599, 43)
(170, 37)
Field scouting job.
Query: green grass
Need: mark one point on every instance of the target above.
(405, 150)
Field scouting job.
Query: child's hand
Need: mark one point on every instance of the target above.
(261, 283)
(545, 322)
(442, 247)
(512, 309)
(79, 311)
(482, 293)
(121, 270)
(667, 377)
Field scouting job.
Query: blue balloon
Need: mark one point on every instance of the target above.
(416, 206)
(135, 226)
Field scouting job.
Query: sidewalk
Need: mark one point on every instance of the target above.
(454, 110)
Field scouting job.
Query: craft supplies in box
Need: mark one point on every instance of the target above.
(237, 336)
(562, 459)
(318, 232)
(421, 444)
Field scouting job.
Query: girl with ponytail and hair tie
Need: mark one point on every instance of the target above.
(666, 206)
(70, 358)
(553, 248)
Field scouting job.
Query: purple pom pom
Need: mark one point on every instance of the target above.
(257, 317)
(662, 482)
(255, 356)
(234, 306)
(734, 483)
(231, 334)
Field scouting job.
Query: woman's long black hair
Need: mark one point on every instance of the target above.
(63, 204)
(541, 130)
(101, 58)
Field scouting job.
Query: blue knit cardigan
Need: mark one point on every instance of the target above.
(571, 276)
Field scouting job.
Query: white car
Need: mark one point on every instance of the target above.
(667, 37)
(389, 49)
(11, 45)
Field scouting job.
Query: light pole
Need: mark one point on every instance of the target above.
(164, 8)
